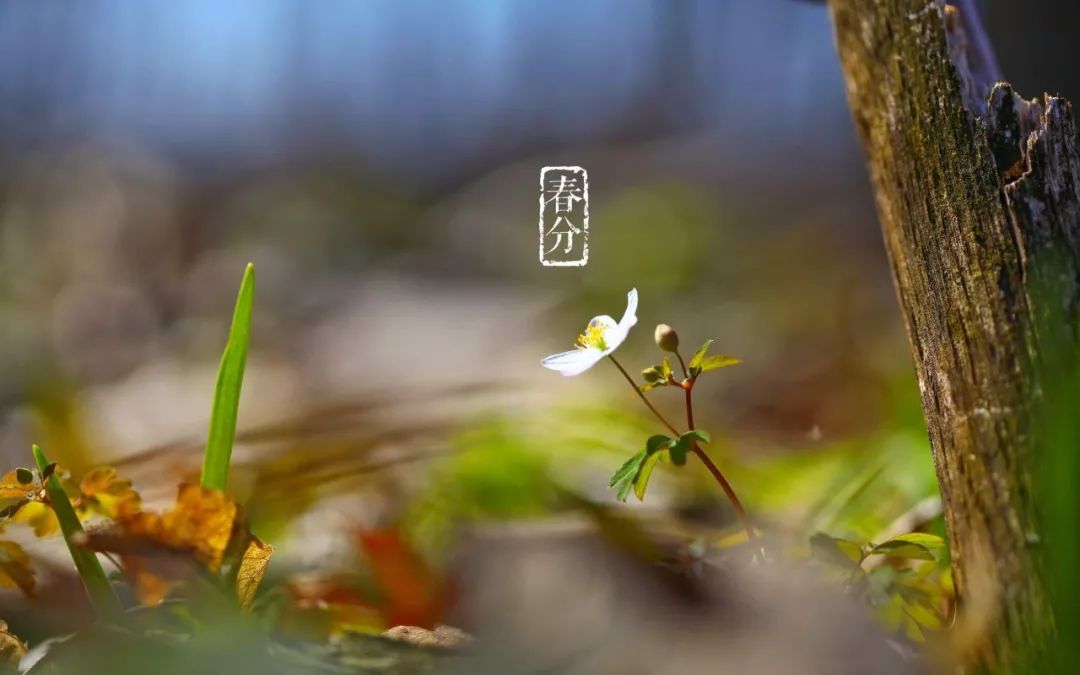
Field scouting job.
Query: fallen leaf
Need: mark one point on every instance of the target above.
(412, 593)
(104, 492)
(252, 568)
(39, 516)
(15, 569)
(11, 488)
(12, 649)
(158, 549)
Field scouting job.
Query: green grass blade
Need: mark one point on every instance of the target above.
(101, 592)
(219, 442)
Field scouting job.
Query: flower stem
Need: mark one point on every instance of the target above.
(685, 372)
(707, 461)
(713, 469)
(637, 390)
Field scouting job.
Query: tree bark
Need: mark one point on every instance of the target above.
(977, 192)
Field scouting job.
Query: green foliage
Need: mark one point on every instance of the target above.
(230, 379)
(908, 594)
(895, 548)
(93, 576)
(836, 551)
(699, 355)
(717, 362)
(641, 481)
(625, 477)
(636, 471)
(685, 442)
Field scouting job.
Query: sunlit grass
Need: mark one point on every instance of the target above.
(230, 379)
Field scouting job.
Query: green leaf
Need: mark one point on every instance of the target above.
(641, 481)
(628, 469)
(678, 450)
(623, 479)
(665, 369)
(219, 442)
(101, 592)
(699, 355)
(698, 435)
(902, 549)
(836, 551)
(658, 442)
(928, 541)
(923, 615)
(681, 447)
(717, 362)
(24, 476)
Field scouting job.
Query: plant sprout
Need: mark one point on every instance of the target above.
(601, 337)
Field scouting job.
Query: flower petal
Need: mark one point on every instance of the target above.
(573, 362)
(629, 317)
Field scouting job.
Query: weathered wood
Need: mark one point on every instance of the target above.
(977, 192)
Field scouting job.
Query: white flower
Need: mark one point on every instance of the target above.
(601, 337)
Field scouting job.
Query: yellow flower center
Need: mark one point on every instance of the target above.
(592, 337)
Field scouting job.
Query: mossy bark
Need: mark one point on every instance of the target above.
(977, 194)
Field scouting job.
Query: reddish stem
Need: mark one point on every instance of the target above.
(713, 469)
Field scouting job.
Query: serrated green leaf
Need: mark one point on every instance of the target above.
(836, 551)
(678, 450)
(657, 442)
(628, 469)
(230, 379)
(665, 369)
(641, 481)
(698, 434)
(929, 541)
(902, 549)
(649, 386)
(699, 355)
(717, 362)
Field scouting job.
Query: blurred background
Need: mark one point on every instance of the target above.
(379, 162)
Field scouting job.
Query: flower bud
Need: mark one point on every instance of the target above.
(666, 337)
(650, 375)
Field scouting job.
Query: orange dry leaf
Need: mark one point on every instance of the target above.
(160, 550)
(413, 594)
(15, 569)
(202, 522)
(103, 491)
(252, 568)
(11, 488)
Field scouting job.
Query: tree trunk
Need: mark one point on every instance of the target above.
(977, 193)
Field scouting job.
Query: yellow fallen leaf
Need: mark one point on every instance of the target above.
(201, 521)
(252, 568)
(159, 550)
(15, 569)
(40, 517)
(11, 488)
(104, 492)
